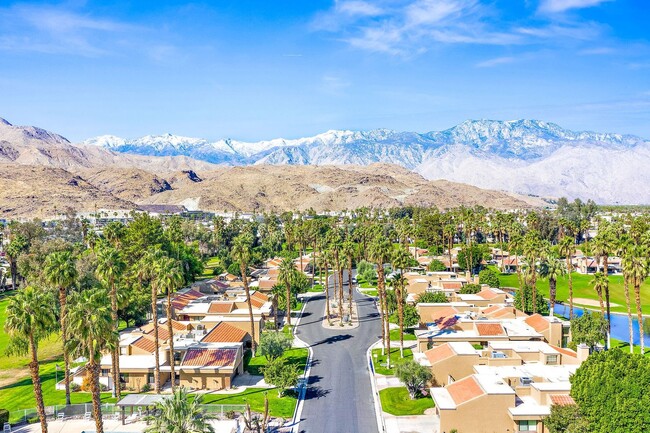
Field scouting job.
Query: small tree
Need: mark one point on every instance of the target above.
(470, 289)
(411, 316)
(413, 375)
(431, 298)
(566, 419)
(280, 374)
(524, 301)
(179, 413)
(437, 266)
(489, 277)
(364, 266)
(590, 328)
(274, 344)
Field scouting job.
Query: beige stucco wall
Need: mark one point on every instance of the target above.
(486, 414)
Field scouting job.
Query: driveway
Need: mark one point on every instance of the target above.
(339, 397)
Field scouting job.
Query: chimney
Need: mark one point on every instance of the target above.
(583, 351)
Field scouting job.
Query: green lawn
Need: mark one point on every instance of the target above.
(316, 289)
(208, 268)
(279, 407)
(379, 359)
(396, 401)
(296, 356)
(408, 335)
(20, 395)
(582, 288)
(625, 347)
(369, 292)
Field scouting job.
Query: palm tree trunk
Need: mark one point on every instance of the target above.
(381, 285)
(607, 303)
(313, 271)
(115, 354)
(552, 292)
(327, 291)
(626, 286)
(570, 284)
(97, 408)
(170, 331)
(36, 380)
(242, 270)
(339, 290)
(154, 318)
(533, 281)
(382, 301)
(400, 312)
(287, 300)
(639, 312)
(350, 286)
(63, 297)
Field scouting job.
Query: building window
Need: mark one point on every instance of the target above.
(124, 377)
(527, 425)
(105, 372)
(551, 359)
(150, 378)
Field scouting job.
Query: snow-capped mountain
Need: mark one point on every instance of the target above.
(526, 156)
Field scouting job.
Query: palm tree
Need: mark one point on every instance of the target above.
(179, 414)
(60, 271)
(602, 247)
(241, 253)
(380, 251)
(335, 247)
(30, 317)
(638, 273)
(349, 251)
(169, 277)
(92, 327)
(627, 277)
(327, 259)
(567, 248)
(552, 268)
(599, 282)
(110, 268)
(286, 274)
(146, 269)
(401, 260)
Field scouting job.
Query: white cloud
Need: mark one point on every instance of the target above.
(490, 63)
(358, 8)
(553, 6)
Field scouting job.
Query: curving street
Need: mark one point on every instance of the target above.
(339, 396)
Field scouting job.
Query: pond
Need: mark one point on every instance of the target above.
(620, 330)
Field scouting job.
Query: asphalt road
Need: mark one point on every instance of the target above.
(339, 397)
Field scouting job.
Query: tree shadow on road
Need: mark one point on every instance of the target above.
(315, 392)
(333, 339)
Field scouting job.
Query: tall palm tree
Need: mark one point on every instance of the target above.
(110, 268)
(627, 278)
(286, 274)
(146, 269)
(349, 251)
(552, 268)
(532, 249)
(169, 277)
(335, 247)
(599, 282)
(380, 251)
(401, 260)
(567, 248)
(92, 327)
(30, 317)
(60, 271)
(327, 259)
(603, 244)
(638, 273)
(179, 413)
(241, 253)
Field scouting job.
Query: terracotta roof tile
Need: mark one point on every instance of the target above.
(221, 307)
(537, 322)
(224, 333)
(181, 300)
(489, 329)
(562, 400)
(465, 390)
(209, 358)
(146, 343)
(564, 351)
(491, 309)
(452, 285)
(443, 313)
(438, 353)
(487, 294)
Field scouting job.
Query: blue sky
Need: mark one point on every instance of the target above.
(262, 69)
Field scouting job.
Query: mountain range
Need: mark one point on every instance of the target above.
(530, 157)
(43, 174)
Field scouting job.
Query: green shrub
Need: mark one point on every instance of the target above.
(437, 266)
(74, 387)
(146, 388)
(431, 298)
(4, 416)
(489, 277)
(470, 289)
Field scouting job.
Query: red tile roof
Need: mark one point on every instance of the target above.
(221, 307)
(443, 312)
(224, 333)
(562, 400)
(564, 351)
(465, 390)
(491, 309)
(209, 358)
(181, 300)
(146, 343)
(452, 285)
(487, 294)
(438, 353)
(489, 329)
(537, 322)
(258, 299)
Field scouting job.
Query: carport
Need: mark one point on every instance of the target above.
(132, 401)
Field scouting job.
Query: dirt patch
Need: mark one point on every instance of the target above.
(591, 302)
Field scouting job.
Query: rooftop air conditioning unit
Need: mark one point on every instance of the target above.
(526, 381)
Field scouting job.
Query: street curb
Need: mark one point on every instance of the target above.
(295, 421)
(381, 427)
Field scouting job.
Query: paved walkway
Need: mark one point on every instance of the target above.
(339, 396)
